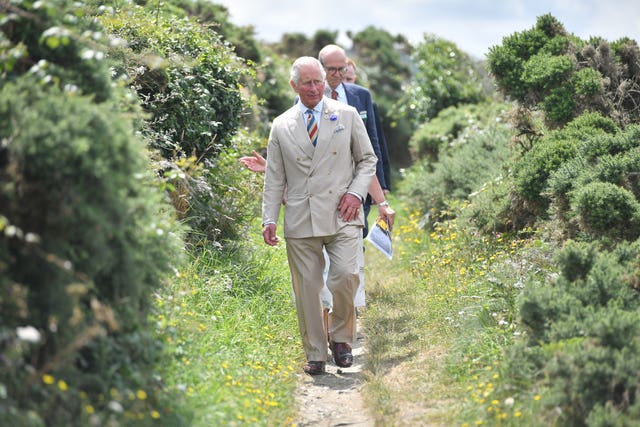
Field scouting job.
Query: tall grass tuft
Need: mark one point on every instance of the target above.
(229, 324)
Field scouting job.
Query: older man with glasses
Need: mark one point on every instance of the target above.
(334, 60)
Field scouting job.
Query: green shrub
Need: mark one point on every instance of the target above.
(38, 39)
(491, 209)
(92, 239)
(600, 158)
(559, 106)
(576, 260)
(465, 166)
(545, 68)
(449, 124)
(222, 195)
(543, 71)
(186, 77)
(445, 77)
(534, 169)
(188, 80)
(586, 326)
(607, 210)
(509, 61)
(587, 82)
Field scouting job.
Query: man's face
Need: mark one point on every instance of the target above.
(310, 86)
(349, 75)
(335, 65)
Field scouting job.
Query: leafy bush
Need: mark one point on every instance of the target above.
(587, 327)
(443, 129)
(445, 77)
(534, 169)
(607, 210)
(543, 71)
(222, 196)
(186, 78)
(85, 234)
(612, 159)
(546, 68)
(474, 158)
(91, 239)
(509, 61)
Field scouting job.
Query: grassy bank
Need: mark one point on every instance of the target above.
(231, 333)
(440, 317)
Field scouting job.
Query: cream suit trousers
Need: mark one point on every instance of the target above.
(306, 262)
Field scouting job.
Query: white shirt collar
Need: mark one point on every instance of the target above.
(316, 110)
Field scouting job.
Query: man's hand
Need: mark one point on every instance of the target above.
(387, 214)
(269, 234)
(255, 163)
(349, 207)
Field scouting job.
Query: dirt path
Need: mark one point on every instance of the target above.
(334, 399)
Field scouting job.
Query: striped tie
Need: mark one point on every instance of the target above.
(312, 127)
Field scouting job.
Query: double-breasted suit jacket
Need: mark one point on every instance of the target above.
(316, 178)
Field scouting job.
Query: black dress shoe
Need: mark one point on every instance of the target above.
(342, 354)
(314, 368)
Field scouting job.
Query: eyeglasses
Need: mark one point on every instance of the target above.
(334, 70)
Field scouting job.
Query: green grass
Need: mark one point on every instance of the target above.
(230, 329)
(440, 318)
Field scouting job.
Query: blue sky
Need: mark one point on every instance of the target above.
(474, 26)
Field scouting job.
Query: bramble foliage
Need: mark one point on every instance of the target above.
(472, 157)
(444, 129)
(445, 77)
(547, 68)
(186, 78)
(85, 234)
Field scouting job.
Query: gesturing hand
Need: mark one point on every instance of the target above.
(255, 163)
(349, 207)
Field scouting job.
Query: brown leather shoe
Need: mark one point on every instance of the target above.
(314, 368)
(342, 354)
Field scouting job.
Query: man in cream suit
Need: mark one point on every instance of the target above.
(326, 185)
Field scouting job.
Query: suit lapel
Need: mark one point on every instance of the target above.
(299, 131)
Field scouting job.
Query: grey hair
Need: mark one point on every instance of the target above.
(302, 62)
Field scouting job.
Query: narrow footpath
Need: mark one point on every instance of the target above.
(334, 399)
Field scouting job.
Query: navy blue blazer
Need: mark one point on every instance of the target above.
(360, 98)
(384, 148)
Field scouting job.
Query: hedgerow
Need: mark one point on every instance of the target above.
(86, 235)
